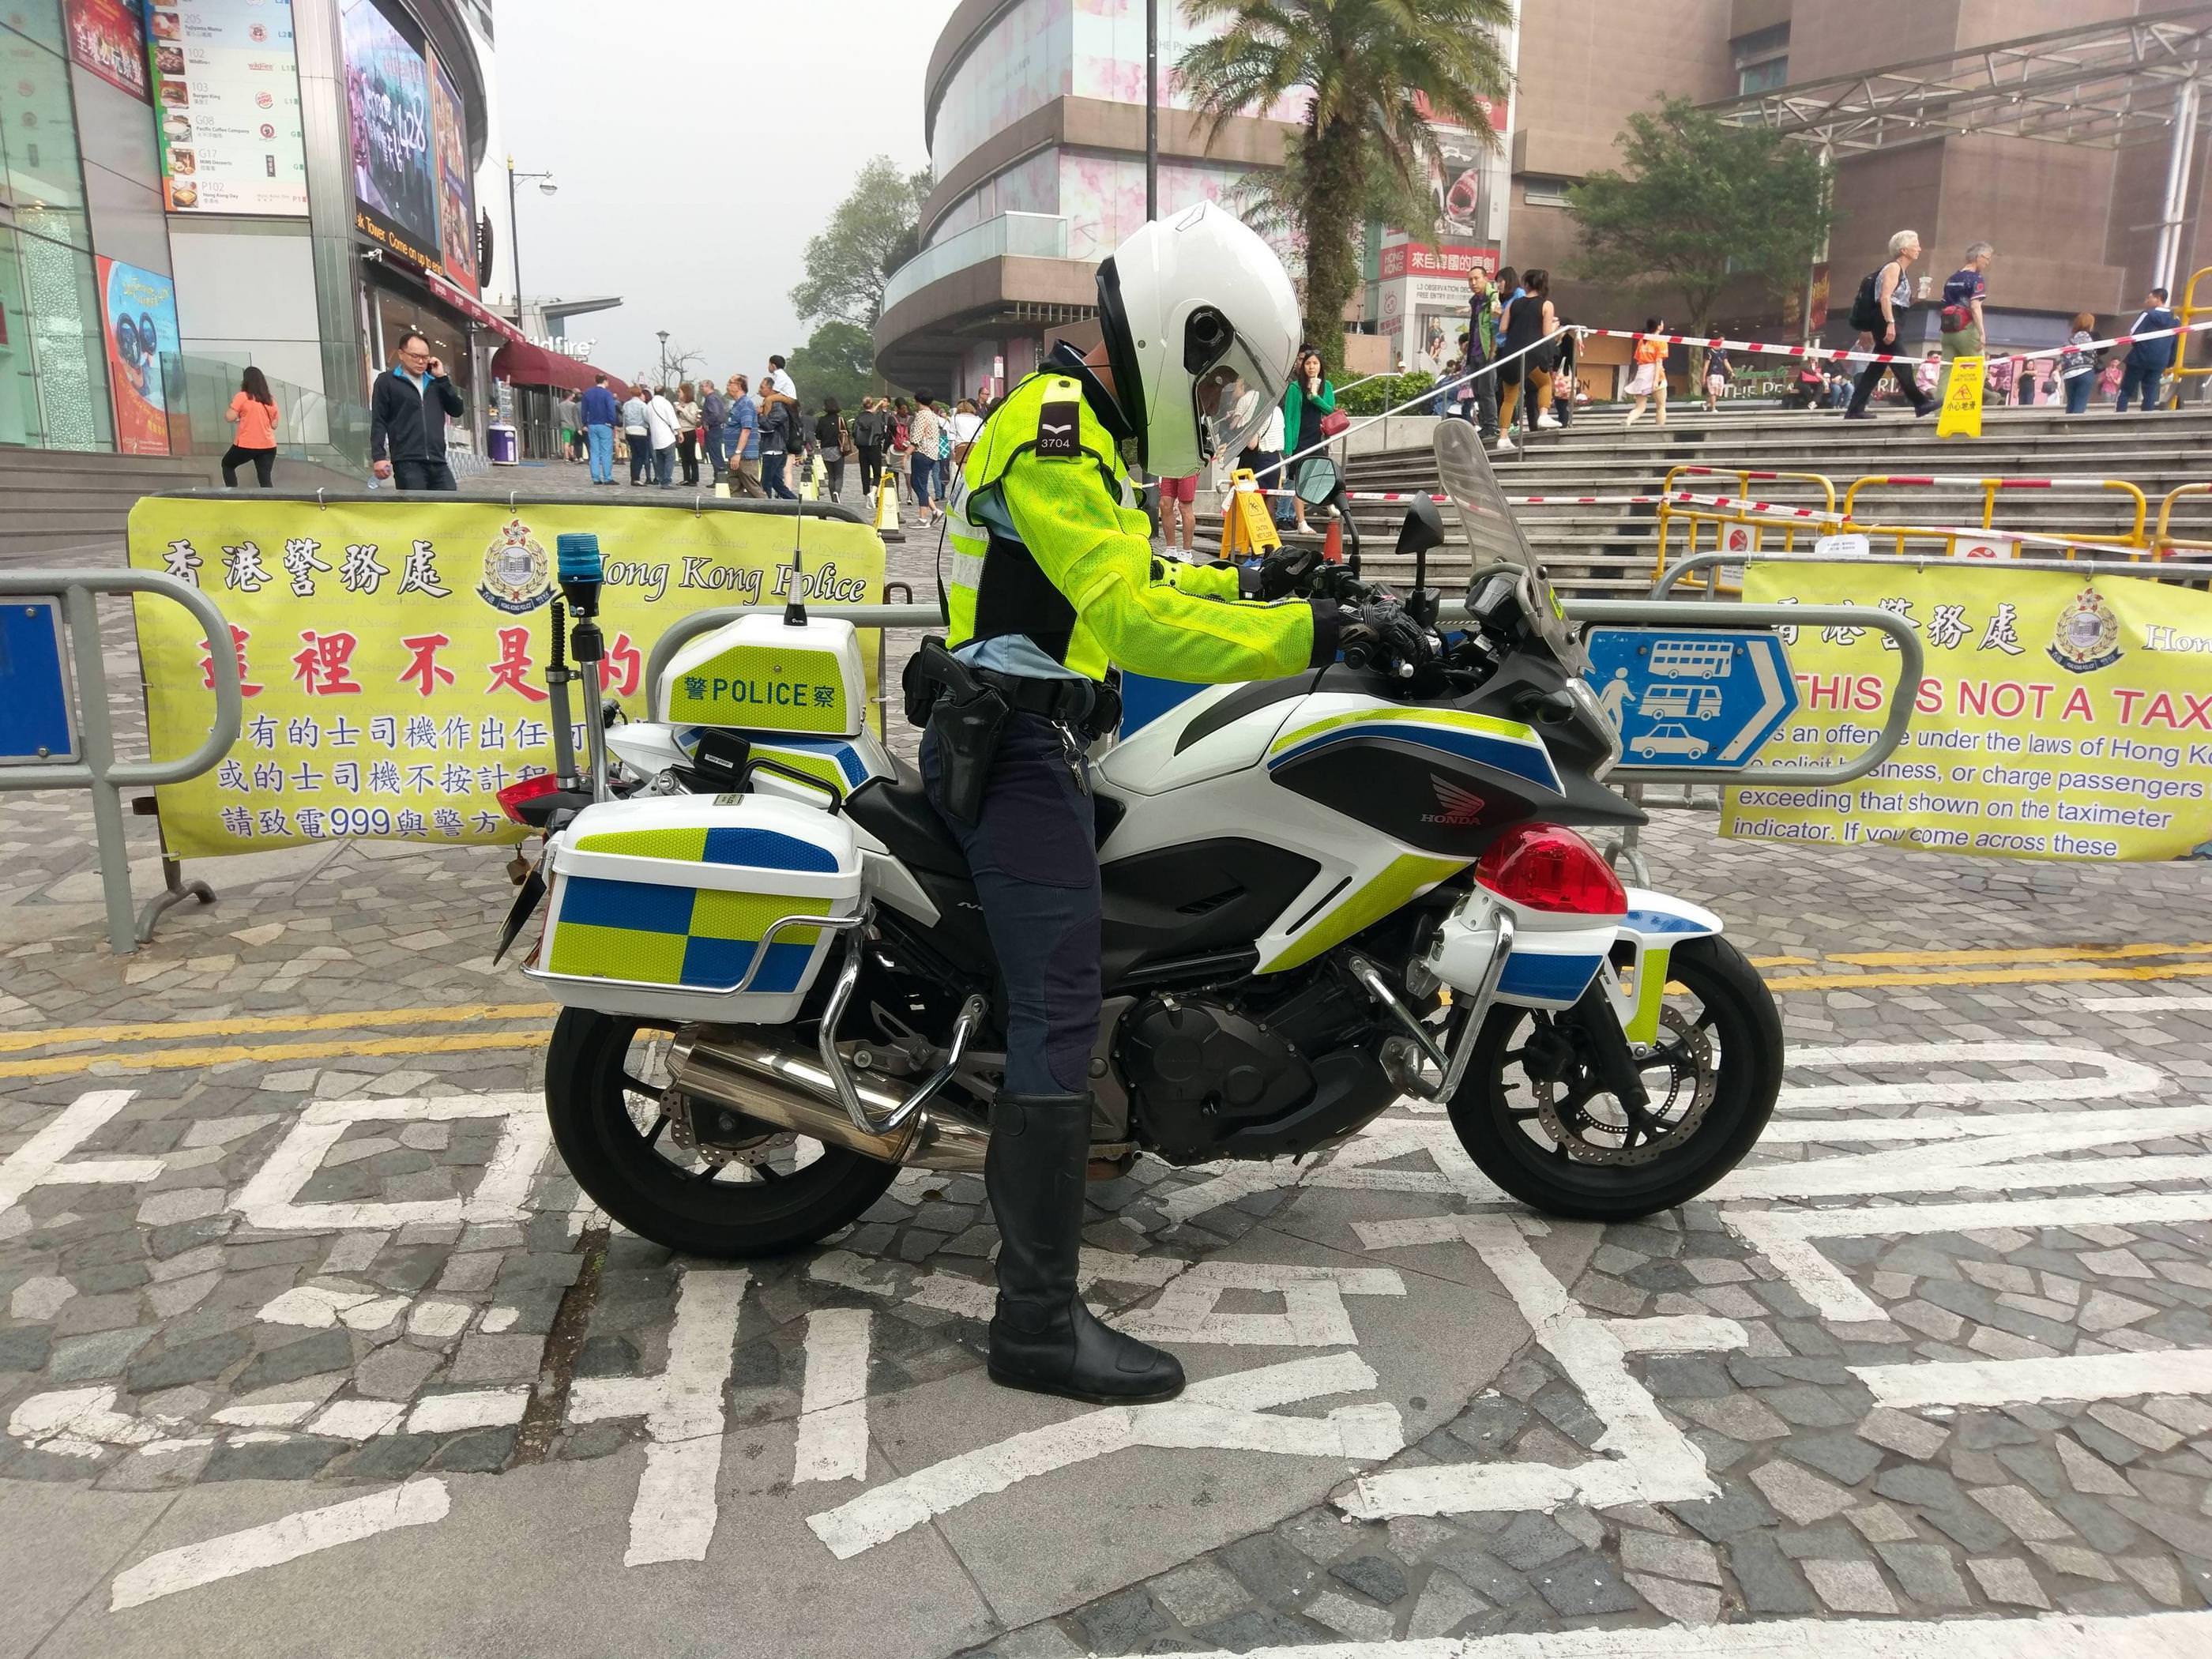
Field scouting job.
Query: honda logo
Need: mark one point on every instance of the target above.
(1462, 806)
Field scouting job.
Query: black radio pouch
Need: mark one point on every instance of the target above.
(968, 717)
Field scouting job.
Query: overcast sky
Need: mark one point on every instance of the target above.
(697, 144)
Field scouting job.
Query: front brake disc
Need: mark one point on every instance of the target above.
(1688, 1089)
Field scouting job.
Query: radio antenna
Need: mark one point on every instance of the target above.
(794, 609)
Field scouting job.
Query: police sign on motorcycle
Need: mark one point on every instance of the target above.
(1322, 893)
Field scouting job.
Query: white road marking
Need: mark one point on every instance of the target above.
(320, 1306)
(1785, 1237)
(2151, 1004)
(2047, 1636)
(1313, 1314)
(2113, 1122)
(674, 1519)
(44, 1161)
(1653, 1461)
(975, 1298)
(833, 1408)
(1229, 1413)
(2000, 1162)
(2115, 1075)
(77, 1422)
(1350, 1167)
(1679, 1333)
(2062, 1376)
(473, 1408)
(416, 1504)
(269, 1198)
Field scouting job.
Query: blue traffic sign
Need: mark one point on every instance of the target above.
(35, 701)
(1705, 698)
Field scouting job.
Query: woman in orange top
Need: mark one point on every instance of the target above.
(1650, 380)
(254, 412)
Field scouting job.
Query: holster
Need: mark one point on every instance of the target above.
(968, 716)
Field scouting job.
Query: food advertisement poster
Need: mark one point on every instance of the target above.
(138, 315)
(103, 36)
(226, 105)
(395, 175)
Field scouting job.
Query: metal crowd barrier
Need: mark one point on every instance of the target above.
(2133, 541)
(1738, 530)
(2162, 570)
(2163, 541)
(99, 772)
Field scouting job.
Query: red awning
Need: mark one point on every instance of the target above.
(521, 363)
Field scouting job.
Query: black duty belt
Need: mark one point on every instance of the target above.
(1083, 704)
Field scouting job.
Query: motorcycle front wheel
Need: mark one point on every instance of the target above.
(605, 1077)
(1535, 1118)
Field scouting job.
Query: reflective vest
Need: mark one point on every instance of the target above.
(1047, 541)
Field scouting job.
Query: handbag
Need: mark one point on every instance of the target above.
(1334, 422)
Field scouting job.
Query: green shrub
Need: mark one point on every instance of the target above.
(1387, 392)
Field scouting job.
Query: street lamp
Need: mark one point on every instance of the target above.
(663, 336)
(547, 187)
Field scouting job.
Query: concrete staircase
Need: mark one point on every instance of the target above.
(1601, 550)
(62, 506)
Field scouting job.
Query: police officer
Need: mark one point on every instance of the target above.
(1052, 579)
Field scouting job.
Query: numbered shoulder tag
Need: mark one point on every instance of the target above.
(1058, 429)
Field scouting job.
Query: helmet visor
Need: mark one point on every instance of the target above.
(1231, 401)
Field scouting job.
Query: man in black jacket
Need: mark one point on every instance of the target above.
(407, 415)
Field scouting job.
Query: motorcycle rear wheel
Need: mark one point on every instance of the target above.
(604, 1076)
(1722, 999)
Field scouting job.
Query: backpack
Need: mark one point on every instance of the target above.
(944, 439)
(1866, 307)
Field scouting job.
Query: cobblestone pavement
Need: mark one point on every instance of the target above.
(281, 1236)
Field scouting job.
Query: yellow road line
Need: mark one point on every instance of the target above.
(1785, 962)
(173, 1059)
(2087, 963)
(161, 1031)
(2031, 953)
(2054, 974)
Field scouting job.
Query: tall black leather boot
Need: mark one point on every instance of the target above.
(1044, 1339)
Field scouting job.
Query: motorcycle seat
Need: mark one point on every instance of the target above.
(896, 812)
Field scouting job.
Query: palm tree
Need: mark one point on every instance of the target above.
(1378, 71)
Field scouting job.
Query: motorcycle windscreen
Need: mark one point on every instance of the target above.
(1494, 537)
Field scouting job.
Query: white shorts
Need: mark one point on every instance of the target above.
(1641, 382)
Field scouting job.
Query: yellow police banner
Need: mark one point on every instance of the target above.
(2059, 716)
(392, 650)
(1961, 414)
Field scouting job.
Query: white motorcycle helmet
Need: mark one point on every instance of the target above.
(1201, 328)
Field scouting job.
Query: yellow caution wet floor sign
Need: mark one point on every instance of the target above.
(1961, 414)
(1247, 525)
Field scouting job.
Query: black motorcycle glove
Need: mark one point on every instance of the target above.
(1382, 637)
(1285, 571)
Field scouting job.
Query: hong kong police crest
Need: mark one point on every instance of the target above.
(2087, 636)
(516, 575)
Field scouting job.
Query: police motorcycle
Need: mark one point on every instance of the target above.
(1322, 894)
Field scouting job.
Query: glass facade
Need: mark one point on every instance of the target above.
(53, 362)
(1101, 194)
(1020, 63)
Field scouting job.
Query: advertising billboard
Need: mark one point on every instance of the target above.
(139, 316)
(103, 36)
(389, 126)
(457, 214)
(227, 104)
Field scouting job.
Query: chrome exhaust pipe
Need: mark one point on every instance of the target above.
(794, 1092)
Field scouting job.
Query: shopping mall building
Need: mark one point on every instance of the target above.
(1034, 119)
(190, 187)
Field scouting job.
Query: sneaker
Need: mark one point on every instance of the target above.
(1858, 413)
(1502, 446)
(1546, 422)
(1924, 408)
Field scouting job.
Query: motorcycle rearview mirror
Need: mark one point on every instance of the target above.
(1423, 529)
(1318, 481)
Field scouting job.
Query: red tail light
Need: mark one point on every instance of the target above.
(511, 797)
(1549, 868)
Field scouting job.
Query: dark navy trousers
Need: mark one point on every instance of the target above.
(1034, 855)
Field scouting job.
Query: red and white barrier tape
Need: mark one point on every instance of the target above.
(1837, 354)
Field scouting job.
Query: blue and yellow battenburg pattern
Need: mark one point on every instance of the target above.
(697, 937)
